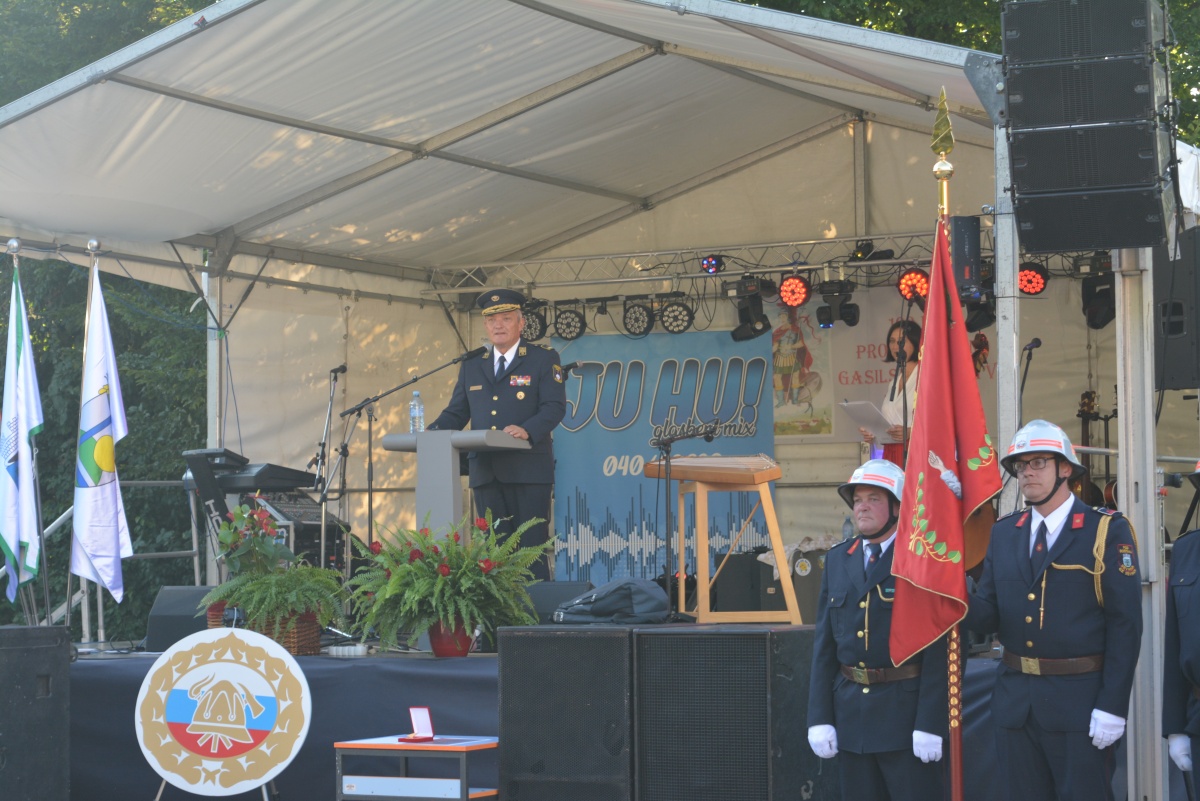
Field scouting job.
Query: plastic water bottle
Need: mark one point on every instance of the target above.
(416, 414)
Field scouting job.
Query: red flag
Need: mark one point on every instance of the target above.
(949, 429)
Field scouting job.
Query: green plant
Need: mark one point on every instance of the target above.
(250, 542)
(470, 575)
(272, 601)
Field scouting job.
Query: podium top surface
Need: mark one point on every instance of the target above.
(718, 469)
(483, 440)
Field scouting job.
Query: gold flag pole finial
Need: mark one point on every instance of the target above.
(942, 144)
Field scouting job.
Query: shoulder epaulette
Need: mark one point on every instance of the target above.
(1104, 510)
(1014, 512)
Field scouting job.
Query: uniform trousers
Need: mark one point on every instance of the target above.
(1049, 765)
(890, 776)
(519, 502)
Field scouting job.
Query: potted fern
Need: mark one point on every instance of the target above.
(448, 584)
(285, 599)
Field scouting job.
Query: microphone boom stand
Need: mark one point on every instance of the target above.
(663, 444)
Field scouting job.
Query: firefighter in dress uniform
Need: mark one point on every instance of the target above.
(1060, 584)
(1181, 649)
(886, 724)
(516, 387)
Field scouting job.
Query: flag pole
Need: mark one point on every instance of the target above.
(943, 171)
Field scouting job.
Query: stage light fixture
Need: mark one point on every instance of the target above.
(825, 317)
(569, 323)
(863, 249)
(1032, 278)
(1099, 300)
(676, 317)
(913, 286)
(850, 314)
(752, 322)
(535, 324)
(838, 306)
(713, 264)
(794, 290)
(980, 313)
(638, 317)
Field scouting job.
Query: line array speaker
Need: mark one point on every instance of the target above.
(35, 706)
(1176, 313)
(1050, 30)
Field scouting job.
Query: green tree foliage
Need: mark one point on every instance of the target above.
(976, 24)
(161, 356)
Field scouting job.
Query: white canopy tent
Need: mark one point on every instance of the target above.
(384, 157)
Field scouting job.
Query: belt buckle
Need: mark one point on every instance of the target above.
(860, 675)
(1031, 666)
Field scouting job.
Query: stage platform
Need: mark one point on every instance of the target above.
(362, 697)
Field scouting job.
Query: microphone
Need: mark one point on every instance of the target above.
(471, 354)
(1033, 343)
(712, 430)
(338, 369)
(567, 368)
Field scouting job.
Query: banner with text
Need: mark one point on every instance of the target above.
(609, 518)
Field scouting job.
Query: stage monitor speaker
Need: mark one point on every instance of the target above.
(1176, 319)
(1085, 92)
(35, 707)
(1089, 157)
(173, 616)
(547, 595)
(566, 707)
(722, 714)
(1050, 30)
(1107, 219)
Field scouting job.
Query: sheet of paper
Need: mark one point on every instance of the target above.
(422, 721)
(867, 415)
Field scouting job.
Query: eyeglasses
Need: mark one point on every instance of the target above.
(1037, 463)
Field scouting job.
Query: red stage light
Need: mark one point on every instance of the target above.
(794, 290)
(913, 284)
(1032, 278)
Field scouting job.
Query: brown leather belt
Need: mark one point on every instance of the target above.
(880, 675)
(1053, 667)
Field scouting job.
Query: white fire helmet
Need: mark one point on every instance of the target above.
(1039, 436)
(877, 473)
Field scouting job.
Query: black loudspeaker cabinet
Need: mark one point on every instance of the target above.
(35, 706)
(566, 713)
(1085, 92)
(722, 714)
(1176, 319)
(173, 616)
(1109, 219)
(1089, 157)
(1052, 30)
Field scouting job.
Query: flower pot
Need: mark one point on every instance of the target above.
(216, 615)
(301, 639)
(456, 642)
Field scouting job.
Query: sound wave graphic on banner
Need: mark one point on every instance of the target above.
(626, 394)
(614, 543)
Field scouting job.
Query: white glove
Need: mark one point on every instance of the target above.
(823, 739)
(1105, 729)
(927, 747)
(1179, 746)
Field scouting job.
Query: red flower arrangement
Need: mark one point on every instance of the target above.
(468, 575)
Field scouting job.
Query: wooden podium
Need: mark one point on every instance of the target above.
(702, 475)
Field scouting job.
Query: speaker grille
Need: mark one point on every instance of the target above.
(1085, 92)
(1047, 30)
(565, 713)
(1089, 157)
(1101, 220)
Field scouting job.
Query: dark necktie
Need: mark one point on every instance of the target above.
(1037, 557)
(500, 366)
(874, 551)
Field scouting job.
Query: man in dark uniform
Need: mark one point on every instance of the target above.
(1060, 584)
(886, 723)
(516, 387)
(1181, 651)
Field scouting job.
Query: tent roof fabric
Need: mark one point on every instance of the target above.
(396, 138)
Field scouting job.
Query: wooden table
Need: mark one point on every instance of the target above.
(405, 787)
(701, 475)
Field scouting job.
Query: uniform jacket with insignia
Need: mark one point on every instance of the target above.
(529, 393)
(1181, 658)
(854, 623)
(1068, 622)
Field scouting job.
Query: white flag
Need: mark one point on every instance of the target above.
(20, 530)
(101, 533)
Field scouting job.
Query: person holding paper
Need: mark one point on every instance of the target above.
(903, 348)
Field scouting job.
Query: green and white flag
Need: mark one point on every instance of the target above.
(101, 534)
(20, 521)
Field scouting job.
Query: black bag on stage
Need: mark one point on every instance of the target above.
(625, 600)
